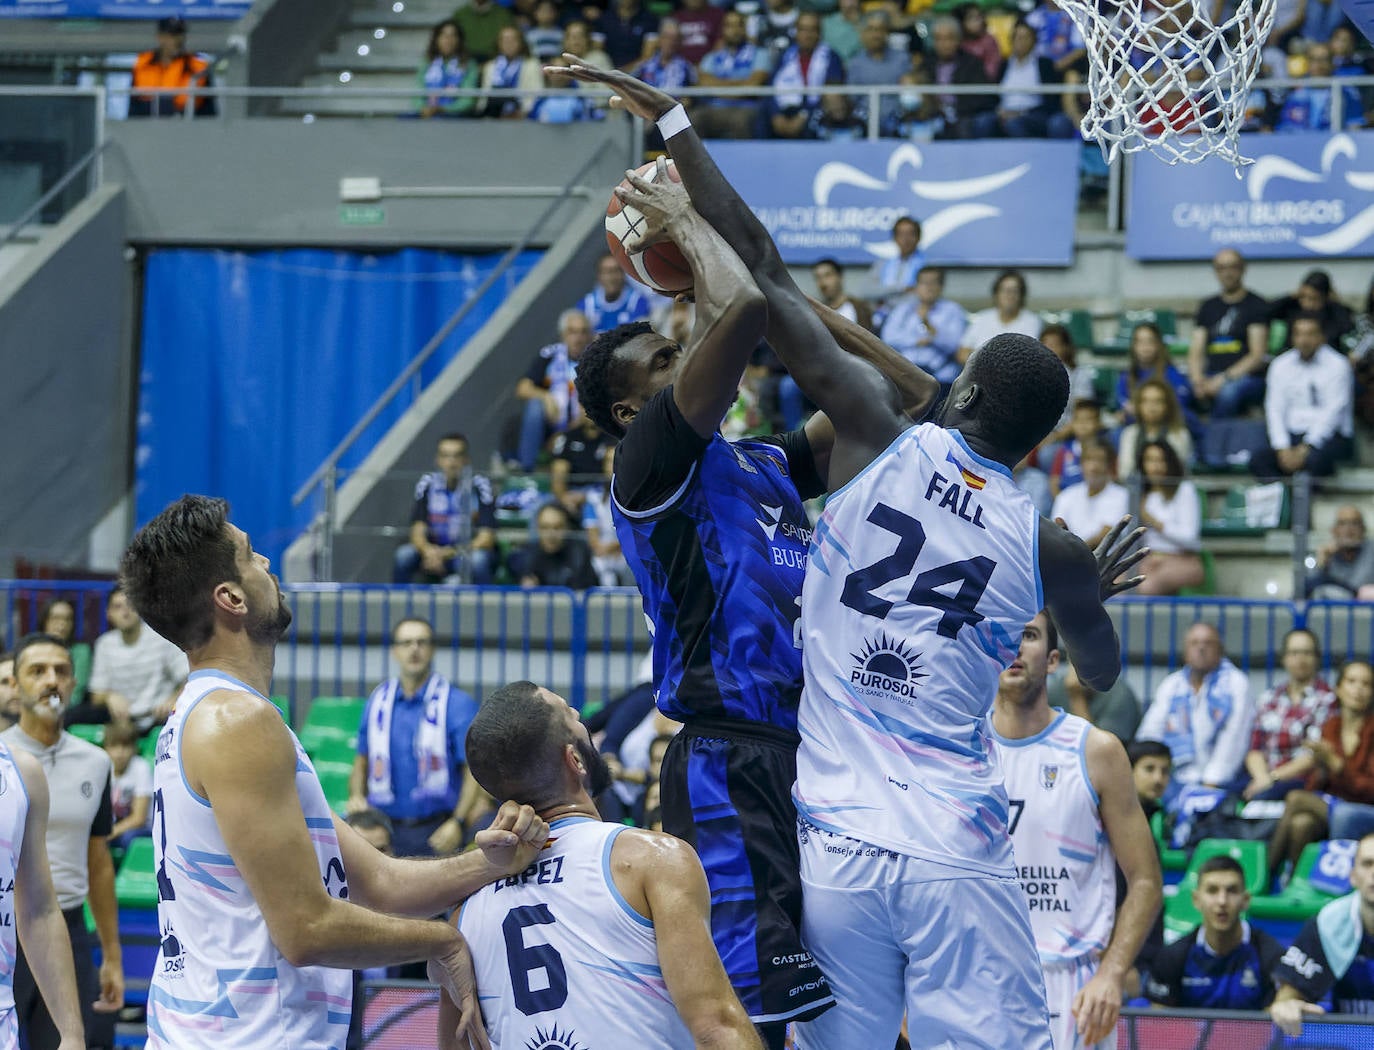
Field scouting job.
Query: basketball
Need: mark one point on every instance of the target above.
(661, 266)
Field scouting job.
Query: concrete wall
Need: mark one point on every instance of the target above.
(66, 394)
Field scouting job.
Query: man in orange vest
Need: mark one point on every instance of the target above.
(170, 65)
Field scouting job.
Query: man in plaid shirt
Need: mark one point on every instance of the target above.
(1287, 718)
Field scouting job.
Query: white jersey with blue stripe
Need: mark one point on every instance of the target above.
(923, 571)
(1063, 857)
(219, 982)
(562, 959)
(14, 814)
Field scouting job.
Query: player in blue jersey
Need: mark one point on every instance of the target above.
(716, 536)
(917, 906)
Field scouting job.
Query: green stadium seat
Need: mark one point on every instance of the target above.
(334, 780)
(1232, 520)
(1179, 914)
(1208, 586)
(1299, 900)
(91, 734)
(1126, 323)
(334, 750)
(147, 747)
(340, 713)
(1078, 322)
(1169, 859)
(282, 704)
(520, 496)
(136, 883)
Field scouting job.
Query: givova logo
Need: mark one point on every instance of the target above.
(887, 666)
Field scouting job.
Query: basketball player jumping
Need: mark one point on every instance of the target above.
(923, 570)
(1074, 817)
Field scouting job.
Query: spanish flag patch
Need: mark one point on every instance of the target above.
(972, 480)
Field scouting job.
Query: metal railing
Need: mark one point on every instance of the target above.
(589, 645)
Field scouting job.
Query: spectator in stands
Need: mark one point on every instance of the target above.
(880, 64)
(1308, 407)
(1056, 36)
(1082, 378)
(626, 30)
(558, 556)
(1347, 57)
(58, 619)
(1345, 566)
(1158, 417)
(1333, 955)
(1022, 114)
(78, 827)
(1085, 430)
(805, 67)
(1287, 718)
(131, 785)
(1309, 108)
(374, 826)
(170, 65)
(547, 390)
(136, 674)
(1089, 508)
(570, 104)
(544, 36)
(614, 300)
(1203, 713)
(948, 65)
(1339, 766)
(9, 692)
(700, 22)
(1229, 348)
(511, 69)
(577, 40)
(1117, 711)
(608, 560)
(1224, 964)
(896, 275)
(1149, 359)
(1008, 313)
(978, 42)
(1314, 295)
(1171, 512)
(775, 27)
(840, 29)
(830, 290)
(447, 65)
(1034, 482)
(1151, 768)
(665, 68)
(452, 522)
(411, 758)
(925, 327)
(735, 62)
(481, 22)
(581, 464)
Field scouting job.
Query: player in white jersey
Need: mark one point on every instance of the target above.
(1074, 817)
(266, 899)
(28, 904)
(604, 941)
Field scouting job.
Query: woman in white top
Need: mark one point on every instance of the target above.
(1172, 515)
(1008, 313)
(1159, 417)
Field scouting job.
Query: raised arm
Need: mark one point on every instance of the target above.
(39, 923)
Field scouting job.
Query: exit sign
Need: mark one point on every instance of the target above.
(361, 215)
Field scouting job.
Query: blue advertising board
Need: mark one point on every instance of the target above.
(148, 9)
(995, 203)
(1307, 195)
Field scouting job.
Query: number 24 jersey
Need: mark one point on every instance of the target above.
(923, 572)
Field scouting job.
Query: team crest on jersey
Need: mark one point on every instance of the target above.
(554, 1039)
(887, 666)
(1248, 979)
(171, 958)
(1049, 775)
(768, 522)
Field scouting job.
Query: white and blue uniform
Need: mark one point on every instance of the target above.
(14, 814)
(562, 959)
(1064, 861)
(219, 981)
(923, 571)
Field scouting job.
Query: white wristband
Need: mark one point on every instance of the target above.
(673, 122)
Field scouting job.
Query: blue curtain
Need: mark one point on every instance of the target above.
(255, 365)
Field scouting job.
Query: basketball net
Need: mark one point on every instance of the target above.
(1163, 78)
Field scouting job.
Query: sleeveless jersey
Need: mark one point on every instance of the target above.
(1063, 858)
(720, 568)
(562, 960)
(219, 982)
(923, 573)
(14, 813)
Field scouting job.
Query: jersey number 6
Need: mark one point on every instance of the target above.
(524, 959)
(972, 575)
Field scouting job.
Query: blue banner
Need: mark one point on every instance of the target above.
(995, 203)
(1307, 195)
(149, 9)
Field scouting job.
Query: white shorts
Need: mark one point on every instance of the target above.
(951, 948)
(1063, 981)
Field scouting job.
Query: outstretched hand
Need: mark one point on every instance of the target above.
(1115, 558)
(662, 202)
(630, 94)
